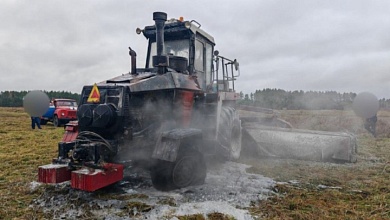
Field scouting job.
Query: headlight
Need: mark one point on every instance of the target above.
(187, 24)
(139, 30)
(63, 113)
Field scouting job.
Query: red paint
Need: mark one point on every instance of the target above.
(71, 131)
(93, 179)
(53, 173)
(65, 110)
(187, 101)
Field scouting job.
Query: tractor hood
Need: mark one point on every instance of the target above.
(149, 81)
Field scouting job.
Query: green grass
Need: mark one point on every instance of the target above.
(355, 191)
(22, 150)
(361, 190)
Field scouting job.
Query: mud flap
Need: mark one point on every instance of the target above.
(168, 143)
(71, 131)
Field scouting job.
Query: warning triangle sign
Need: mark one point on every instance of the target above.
(94, 96)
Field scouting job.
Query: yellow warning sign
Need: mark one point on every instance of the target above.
(94, 96)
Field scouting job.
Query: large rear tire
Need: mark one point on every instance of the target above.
(230, 133)
(236, 140)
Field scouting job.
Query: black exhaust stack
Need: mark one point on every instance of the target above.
(160, 60)
(133, 56)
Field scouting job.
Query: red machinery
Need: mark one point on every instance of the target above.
(165, 117)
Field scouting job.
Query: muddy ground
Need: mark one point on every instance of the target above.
(228, 189)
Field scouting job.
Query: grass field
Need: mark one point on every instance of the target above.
(311, 190)
(22, 150)
(315, 190)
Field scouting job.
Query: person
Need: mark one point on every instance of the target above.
(37, 121)
(370, 125)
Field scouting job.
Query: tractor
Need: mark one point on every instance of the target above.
(166, 117)
(172, 115)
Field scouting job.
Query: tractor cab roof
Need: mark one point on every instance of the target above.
(175, 29)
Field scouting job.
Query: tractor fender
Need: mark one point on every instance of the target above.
(71, 131)
(169, 142)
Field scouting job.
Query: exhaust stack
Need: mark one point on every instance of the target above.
(160, 60)
(133, 58)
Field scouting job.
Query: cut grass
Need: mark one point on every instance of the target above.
(22, 150)
(315, 190)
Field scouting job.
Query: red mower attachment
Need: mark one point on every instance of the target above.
(80, 159)
(53, 173)
(88, 179)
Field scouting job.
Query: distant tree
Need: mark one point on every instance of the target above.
(311, 100)
(15, 98)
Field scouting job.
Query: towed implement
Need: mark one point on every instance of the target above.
(267, 135)
(166, 117)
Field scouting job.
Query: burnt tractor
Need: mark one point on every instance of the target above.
(167, 117)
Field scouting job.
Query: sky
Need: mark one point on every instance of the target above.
(308, 45)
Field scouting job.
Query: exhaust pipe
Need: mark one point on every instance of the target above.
(133, 58)
(160, 60)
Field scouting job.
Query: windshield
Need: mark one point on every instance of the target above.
(176, 48)
(66, 103)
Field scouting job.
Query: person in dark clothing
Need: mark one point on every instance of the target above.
(370, 125)
(37, 121)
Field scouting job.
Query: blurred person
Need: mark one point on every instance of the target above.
(37, 121)
(370, 125)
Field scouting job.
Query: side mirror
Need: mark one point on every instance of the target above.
(216, 53)
(236, 64)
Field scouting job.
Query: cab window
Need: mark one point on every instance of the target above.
(209, 63)
(199, 47)
(175, 47)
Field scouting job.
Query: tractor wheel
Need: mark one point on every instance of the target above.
(235, 141)
(230, 133)
(161, 174)
(188, 169)
(56, 121)
(43, 121)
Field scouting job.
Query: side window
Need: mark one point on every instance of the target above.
(153, 51)
(209, 62)
(199, 56)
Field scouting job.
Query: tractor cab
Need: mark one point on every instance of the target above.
(188, 49)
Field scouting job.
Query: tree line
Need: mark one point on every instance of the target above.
(15, 98)
(305, 100)
(266, 98)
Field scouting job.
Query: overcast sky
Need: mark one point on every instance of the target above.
(342, 46)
